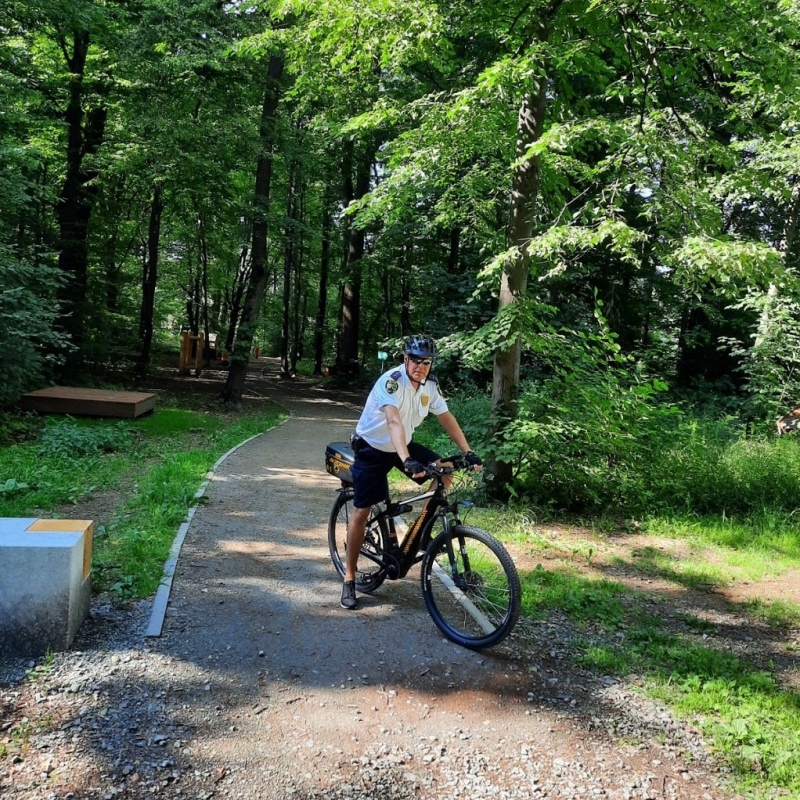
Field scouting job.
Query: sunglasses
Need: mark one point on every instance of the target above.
(425, 362)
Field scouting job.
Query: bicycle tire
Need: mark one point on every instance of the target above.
(370, 575)
(471, 587)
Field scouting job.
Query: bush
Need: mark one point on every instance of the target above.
(715, 467)
(599, 445)
(67, 439)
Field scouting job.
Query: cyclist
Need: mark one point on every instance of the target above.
(398, 403)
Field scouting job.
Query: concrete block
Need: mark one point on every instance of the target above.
(45, 583)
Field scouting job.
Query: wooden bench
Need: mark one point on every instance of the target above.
(45, 583)
(89, 402)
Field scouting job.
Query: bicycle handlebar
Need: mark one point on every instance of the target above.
(458, 461)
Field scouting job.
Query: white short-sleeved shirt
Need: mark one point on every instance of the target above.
(394, 388)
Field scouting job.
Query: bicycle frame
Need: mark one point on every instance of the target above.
(402, 555)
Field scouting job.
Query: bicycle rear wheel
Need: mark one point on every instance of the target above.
(471, 587)
(370, 575)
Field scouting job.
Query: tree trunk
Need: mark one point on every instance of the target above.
(324, 264)
(288, 256)
(234, 387)
(204, 288)
(193, 303)
(347, 356)
(386, 291)
(149, 279)
(75, 202)
(302, 321)
(297, 265)
(514, 280)
(239, 283)
(405, 305)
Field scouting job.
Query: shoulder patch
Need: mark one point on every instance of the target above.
(432, 378)
(392, 386)
(396, 375)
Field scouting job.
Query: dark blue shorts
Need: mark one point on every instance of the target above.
(372, 466)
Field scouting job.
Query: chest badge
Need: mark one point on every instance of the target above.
(425, 399)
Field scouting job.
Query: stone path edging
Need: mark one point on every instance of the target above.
(161, 600)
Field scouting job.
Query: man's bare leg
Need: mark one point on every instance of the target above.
(356, 529)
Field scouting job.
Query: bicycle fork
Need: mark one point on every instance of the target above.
(450, 526)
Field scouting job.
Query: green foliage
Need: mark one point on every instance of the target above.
(771, 363)
(585, 449)
(12, 486)
(713, 467)
(585, 601)
(585, 423)
(16, 427)
(732, 266)
(26, 320)
(157, 461)
(594, 434)
(750, 719)
(58, 479)
(68, 439)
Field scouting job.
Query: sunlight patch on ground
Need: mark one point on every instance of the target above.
(261, 549)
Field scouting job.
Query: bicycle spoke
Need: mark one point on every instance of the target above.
(469, 607)
(471, 587)
(371, 573)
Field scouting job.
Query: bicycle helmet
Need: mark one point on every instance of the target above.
(421, 346)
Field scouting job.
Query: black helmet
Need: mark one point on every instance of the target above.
(422, 346)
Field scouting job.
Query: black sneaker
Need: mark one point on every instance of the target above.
(349, 595)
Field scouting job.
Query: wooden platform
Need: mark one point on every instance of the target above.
(89, 402)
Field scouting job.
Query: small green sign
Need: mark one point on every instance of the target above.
(382, 355)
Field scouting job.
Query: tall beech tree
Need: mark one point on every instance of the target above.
(525, 185)
(268, 137)
(150, 277)
(356, 172)
(85, 121)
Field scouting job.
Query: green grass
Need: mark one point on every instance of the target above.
(752, 722)
(765, 544)
(750, 719)
(693, 573)
(776, 613)
(584, 600)
(155, 463)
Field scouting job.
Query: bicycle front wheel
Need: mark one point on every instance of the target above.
(371, 571)
(471, 587)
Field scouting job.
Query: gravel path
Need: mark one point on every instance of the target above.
(262, 687)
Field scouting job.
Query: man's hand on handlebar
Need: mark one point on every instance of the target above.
(413, 468)
(472, 460)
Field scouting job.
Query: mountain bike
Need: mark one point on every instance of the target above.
(469, 581)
